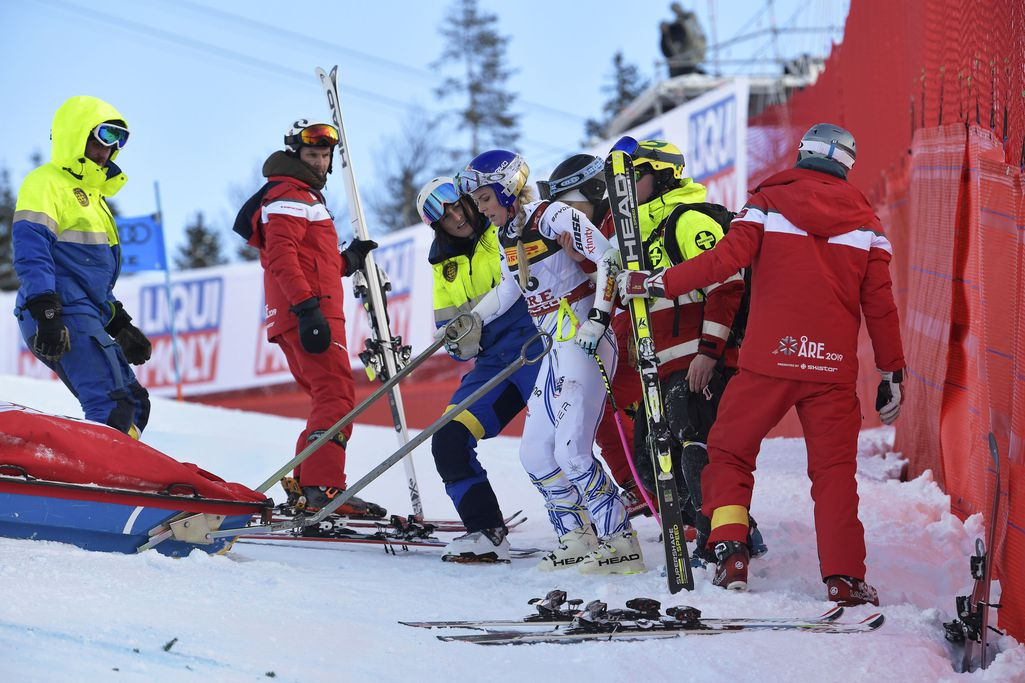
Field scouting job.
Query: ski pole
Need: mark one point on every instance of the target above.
(626, 446)
(342, 498)
(449, 336)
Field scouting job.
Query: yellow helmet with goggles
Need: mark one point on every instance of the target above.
(659, 155)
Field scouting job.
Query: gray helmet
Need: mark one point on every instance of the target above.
(829, 148)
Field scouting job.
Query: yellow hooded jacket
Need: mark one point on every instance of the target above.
(65, 239)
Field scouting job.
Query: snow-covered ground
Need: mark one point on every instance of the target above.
(288, 614)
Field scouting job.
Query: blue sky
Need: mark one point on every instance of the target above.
(209, 88)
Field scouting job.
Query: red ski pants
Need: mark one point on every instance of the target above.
(830, 415)
(327, 379)
(626, 389)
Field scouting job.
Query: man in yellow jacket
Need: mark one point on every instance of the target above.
(67, 255)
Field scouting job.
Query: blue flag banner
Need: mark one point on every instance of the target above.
(142, 243)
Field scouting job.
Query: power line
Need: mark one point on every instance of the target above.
(233, 55)
(405, 69)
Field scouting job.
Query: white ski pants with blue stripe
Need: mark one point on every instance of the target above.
(562, 416)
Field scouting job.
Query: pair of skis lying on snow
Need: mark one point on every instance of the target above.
(394, 532)
(563, 621)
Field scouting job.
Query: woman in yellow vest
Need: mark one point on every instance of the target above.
(465, 259)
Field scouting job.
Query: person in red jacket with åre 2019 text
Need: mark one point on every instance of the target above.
(295, 233)
(819, 259)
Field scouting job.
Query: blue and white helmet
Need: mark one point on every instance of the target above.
(828, 142)
(503, 171)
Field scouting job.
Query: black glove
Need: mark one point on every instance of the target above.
(136, 347)
(314, 333)
(51, 340)
(356, 254)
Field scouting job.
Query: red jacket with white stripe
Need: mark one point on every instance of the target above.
(299, 253)
(819, 260)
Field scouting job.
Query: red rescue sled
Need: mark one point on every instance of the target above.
(83, 483)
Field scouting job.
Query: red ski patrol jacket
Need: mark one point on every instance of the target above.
(299, 247)
(819, 259)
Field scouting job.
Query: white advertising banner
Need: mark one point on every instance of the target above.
(712, 132)
(218, 319)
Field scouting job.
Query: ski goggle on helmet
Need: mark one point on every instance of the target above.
(656, 154)
(577, 179)
(306, 133)
(110, 134)
(434, 197)
(831, 142)
(504, 172)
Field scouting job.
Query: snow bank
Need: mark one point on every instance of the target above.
(287, 614)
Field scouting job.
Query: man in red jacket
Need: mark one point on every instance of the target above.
(295, 234)
(819, 260)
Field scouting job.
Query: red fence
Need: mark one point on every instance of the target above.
(934, 92)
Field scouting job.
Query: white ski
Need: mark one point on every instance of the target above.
(387, 350)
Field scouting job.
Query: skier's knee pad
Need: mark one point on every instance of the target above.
(454, 457)
(142, 407)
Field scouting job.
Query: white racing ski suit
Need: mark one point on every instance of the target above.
(568, 398)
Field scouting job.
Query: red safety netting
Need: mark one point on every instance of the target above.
(934, 91)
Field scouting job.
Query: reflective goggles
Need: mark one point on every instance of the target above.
(434, 205)
(550, 189)
(470, 180)
(318, 135)
(109, 134)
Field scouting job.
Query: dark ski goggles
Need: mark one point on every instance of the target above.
(109, 134)
(551, 189)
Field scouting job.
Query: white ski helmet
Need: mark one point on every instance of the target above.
(434, 197)
(826, 145)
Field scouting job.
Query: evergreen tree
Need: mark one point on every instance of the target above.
(405, 164)
(474, 46)
(8, 278)
(202, 247)
(625, 86)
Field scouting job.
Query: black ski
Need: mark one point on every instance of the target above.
(619, 178)
(597, 622)
(283, 513)
(555, 612)
(972, 625)
(402, 534)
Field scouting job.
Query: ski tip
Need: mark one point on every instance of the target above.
(874, 621)
(832, 614)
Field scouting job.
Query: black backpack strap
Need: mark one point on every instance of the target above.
(244, 221)
(671, 246)
(717, 212)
